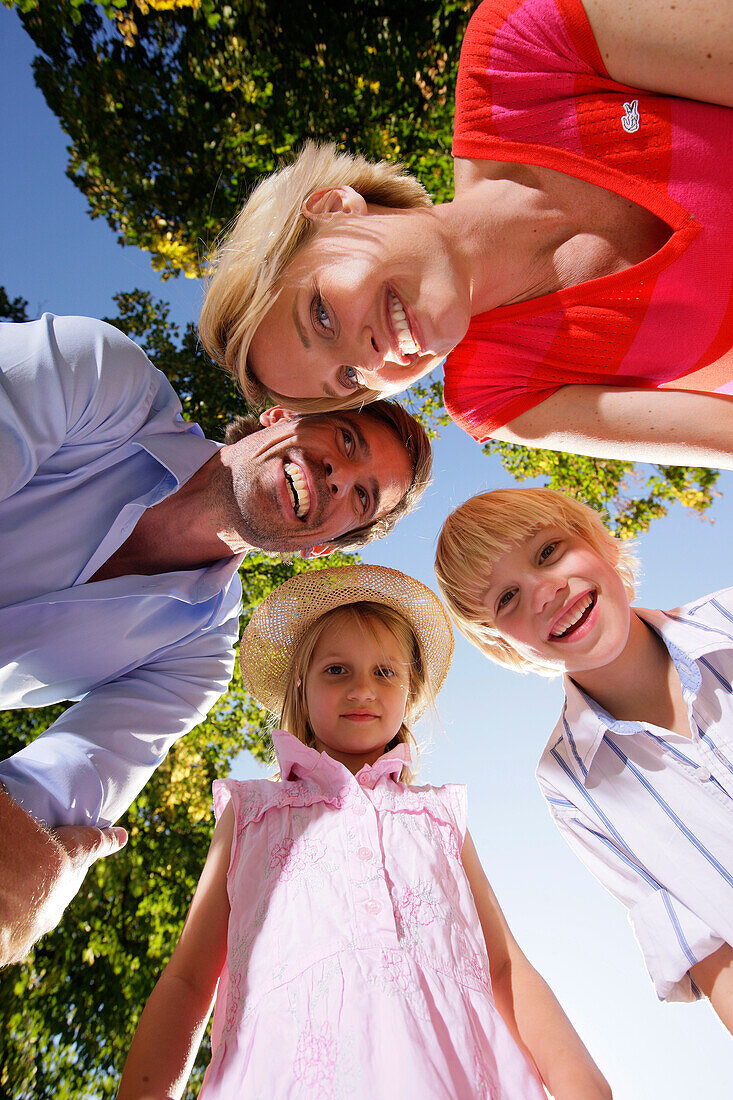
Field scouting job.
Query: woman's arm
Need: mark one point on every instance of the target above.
(172, 1025)
(683, 49)
(527, 1004)
(670, 427)
(714, 977)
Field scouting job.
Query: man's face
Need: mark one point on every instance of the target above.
(302, 481)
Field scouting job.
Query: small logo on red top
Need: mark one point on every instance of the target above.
(630, 121)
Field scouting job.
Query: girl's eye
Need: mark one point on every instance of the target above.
(385, 672)
(350, 378)
(547, 551)
(334, 670)
(505, 599)
(320, 316)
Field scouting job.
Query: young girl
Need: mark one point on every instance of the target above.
(343, 912)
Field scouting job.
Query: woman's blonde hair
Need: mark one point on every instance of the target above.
(251, 259)
(294, 714)
(485, 528)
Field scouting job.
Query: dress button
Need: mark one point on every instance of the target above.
(372, 906)
(365, 854)
(363, 779)
(704, 775)
(359, 809)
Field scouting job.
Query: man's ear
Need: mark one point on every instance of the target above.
(274, 415)
(321, 551)
(333, 200)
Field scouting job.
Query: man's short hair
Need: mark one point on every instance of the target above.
(488, 526)
(250, 261)
(413, 438)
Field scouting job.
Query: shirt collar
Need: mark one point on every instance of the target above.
(299, 761)
(584, 722)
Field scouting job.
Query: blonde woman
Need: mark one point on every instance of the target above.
(581, 277)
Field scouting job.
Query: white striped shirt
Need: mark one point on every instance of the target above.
(650, 812)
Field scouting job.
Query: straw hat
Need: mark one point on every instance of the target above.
(279, 623)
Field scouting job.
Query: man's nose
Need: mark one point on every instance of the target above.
(339, 478)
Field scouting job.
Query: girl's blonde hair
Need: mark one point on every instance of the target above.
(248, 265)
(294, 714)
(485, 528)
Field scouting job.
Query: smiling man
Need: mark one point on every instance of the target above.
(121, 532)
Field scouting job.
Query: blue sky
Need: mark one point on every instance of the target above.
(494, 724)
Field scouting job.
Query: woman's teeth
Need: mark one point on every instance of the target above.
(299, 495)
(573, 616)
(405, 342)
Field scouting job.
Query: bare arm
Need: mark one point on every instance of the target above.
(40, 872)
(683, 49)
(670, 427)
(173, 1022)
(714, 977)
(527, 1004)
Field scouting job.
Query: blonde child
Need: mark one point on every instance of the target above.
(343, 911)
(638, 773)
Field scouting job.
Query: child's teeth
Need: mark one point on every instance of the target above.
(570, 620)
(298, 489)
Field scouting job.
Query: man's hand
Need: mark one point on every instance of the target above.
(40, 872)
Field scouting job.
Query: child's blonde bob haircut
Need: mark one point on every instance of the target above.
(487, 526)
(248, 265)
(294, 714)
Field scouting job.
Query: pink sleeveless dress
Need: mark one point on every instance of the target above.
(356, 967)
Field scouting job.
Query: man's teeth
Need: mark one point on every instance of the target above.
(401, 327)
(572, 617)
(299, 495)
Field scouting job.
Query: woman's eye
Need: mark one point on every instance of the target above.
(320, 315)
(351, 378)
(547, 551)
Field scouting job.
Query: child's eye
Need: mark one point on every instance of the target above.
(547, 551)
(505, 599)
(385, 672)
(334, 670)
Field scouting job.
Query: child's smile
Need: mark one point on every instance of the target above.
(558, 600)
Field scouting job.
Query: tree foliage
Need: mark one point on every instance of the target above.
(174, 114)
(68, 1012)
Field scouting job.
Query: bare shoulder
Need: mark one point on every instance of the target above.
(681, 49)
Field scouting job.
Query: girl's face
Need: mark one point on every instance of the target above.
(559, 601)
(372, 300)
(356, 691)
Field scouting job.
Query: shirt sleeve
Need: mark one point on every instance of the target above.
(91, 763)
(63, 379)
(672, 938)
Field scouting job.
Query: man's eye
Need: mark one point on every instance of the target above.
(363, 498)
(348, 441)
(320, 316)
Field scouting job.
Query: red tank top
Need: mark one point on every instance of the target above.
(532, 88)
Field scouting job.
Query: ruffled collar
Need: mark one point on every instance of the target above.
(299, 761)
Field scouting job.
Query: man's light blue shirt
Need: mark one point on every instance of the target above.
(91, 434)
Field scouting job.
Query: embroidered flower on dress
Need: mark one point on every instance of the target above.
(293, 858)
(315, 1061)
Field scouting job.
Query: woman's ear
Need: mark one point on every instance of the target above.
(333, 200)
(274, 415)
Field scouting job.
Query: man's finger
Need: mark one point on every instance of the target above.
(86, 843)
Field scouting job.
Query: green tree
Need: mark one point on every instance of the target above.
(173, 115)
